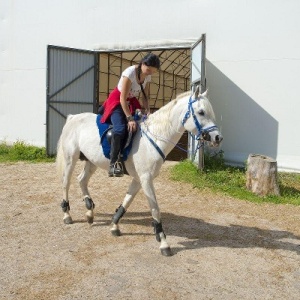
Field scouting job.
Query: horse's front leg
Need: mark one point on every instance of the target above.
(84, 177)
(148, 187)
(120, 211)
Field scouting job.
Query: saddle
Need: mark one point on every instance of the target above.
(105, 132)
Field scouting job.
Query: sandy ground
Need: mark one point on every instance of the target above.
(223, 248)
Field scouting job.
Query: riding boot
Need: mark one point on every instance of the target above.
(115, 167)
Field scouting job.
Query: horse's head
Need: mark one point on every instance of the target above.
(199, 119)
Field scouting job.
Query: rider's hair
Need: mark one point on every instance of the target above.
(150, 60)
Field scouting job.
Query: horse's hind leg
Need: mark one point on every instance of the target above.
(84, 177)
(68, 170)
(120, 211)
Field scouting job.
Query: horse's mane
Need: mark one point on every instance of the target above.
(160, 121)
(183, 95)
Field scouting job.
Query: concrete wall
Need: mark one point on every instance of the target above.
(253, 61)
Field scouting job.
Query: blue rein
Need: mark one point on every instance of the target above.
(154, 144)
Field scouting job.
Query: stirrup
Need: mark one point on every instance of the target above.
(116, 170)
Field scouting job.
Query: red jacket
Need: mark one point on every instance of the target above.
(113, 101)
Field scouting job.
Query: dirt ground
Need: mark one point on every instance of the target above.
(223, 248)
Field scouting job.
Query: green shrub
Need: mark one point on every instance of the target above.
(20, 151)
(231, 181)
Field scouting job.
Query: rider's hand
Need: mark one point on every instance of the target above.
(131, 126)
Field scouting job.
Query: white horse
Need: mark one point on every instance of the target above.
(155, 138)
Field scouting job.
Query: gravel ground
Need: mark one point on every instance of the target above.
(223, 248)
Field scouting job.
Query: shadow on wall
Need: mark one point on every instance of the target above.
(245, 125)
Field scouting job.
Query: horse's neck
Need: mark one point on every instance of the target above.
(168, 129)
(176, 117)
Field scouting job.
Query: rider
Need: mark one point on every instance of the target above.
(122, 102)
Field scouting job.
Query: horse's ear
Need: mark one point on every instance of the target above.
(205, 93)
(197, 92)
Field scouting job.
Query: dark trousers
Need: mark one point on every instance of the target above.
(118, 119)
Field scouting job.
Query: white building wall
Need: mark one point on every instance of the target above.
(253, 73)
(253, 61)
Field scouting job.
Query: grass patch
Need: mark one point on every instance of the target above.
(231, 181)
(20, 151)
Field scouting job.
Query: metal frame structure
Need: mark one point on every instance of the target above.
(172, 79)
(199, 79)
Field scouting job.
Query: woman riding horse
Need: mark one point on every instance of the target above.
(122, 102)
(157, 136)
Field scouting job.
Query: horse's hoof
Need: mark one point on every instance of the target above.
(116, 232)
(166, 251)
(68, 220)
(90, 220)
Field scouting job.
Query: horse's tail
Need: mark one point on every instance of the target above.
(60, 158)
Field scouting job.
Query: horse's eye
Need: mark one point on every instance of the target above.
(201, 112)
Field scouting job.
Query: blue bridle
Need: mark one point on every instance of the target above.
(200, 129)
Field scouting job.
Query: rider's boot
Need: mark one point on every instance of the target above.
(115, 167)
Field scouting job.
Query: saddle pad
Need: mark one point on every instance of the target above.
(103, 128)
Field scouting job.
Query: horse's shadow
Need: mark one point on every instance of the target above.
(200, 234)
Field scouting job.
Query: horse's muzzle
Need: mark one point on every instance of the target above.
(219, 139)
(215, 140)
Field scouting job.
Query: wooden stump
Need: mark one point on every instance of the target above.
(261, 175)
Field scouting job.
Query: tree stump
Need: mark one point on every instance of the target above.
(261, 175)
